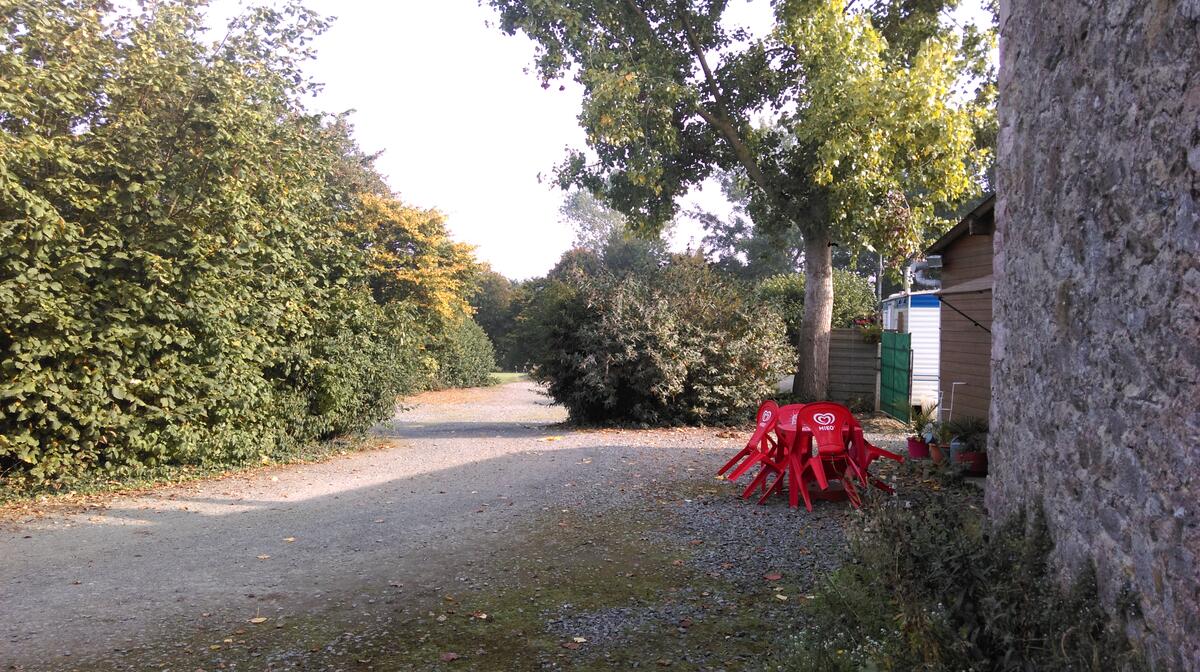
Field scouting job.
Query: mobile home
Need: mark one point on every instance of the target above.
(919, 314)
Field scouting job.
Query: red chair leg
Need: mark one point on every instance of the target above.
(851, 491)
(882, 485)
(746, 466)
(737, 458)
(798, 483)
(777, 486)
(818, 469)
(759, 481)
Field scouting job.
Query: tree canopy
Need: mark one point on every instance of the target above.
(861, 141)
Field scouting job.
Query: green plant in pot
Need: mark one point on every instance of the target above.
(920, 425)
(939, 444)
(969, 437)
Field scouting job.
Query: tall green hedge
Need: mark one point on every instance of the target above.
(175, 285)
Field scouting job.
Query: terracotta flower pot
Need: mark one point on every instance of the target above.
(938, 452)
(973, 462)
(917, 448)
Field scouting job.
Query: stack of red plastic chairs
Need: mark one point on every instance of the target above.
(803, 444)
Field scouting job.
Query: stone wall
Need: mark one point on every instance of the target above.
(1096, 345)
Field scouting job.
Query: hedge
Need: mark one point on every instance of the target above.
(180, 281)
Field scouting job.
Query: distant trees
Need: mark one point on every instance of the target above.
(193, 267)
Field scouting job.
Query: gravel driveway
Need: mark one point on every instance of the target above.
(481, 534)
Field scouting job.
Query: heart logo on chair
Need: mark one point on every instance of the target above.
(824, 418)
(766, 417)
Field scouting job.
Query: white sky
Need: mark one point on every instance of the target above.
(463, 127)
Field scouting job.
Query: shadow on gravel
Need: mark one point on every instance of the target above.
(468, 430)
(144, 587)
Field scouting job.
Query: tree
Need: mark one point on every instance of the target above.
(670, 91)
(605, 233)
(739, 247)
(411, 257)
(852, 299)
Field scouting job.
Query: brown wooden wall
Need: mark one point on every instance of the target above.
(853, 366)
(966, 350)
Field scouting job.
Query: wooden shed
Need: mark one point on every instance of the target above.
(965, 357)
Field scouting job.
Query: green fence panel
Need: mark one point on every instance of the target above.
(895, 375)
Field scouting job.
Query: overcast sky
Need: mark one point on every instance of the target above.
(462, 125)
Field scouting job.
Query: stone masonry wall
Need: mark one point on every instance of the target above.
(1096, 345)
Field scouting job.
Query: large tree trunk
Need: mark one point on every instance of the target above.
(812, 368)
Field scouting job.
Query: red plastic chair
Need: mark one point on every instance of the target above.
(864, 453)
(761, 443)
(827, 427)
(778, 463)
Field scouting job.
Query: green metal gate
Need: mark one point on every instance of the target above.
(895, 375)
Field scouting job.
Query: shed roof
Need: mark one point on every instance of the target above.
(971, 286)
(980, 213)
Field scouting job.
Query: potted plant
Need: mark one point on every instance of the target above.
(921, 425)
(939, 447)
(970, 453)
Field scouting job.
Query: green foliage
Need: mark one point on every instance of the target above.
(178, 281)
(971, 431)
(496, 303)
(465, 357)
(853, 298)
(660, 346)
(925, 416)
(935, 587)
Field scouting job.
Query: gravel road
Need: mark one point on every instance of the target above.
(474, 495)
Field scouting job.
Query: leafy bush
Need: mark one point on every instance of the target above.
(934, 587)
(181, 277)
(657, 346)
(465, 357)
(852, 298)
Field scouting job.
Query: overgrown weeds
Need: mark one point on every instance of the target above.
(933, 586)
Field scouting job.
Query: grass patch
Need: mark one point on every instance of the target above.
(613, 580)
(506, 377)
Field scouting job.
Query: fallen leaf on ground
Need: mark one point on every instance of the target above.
(449, 657)
(772, 576)
(578, 640)
(570, 645)
(551, 438)
(258, 619)
(480, 615)
(781, 597)
(264, 556)
(289, 539)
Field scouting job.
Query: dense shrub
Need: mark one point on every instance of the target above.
(852, 298)
(465, 357)
(932, 586)
(181, 275)
(677, 344)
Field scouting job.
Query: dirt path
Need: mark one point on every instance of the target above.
(479, 532)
